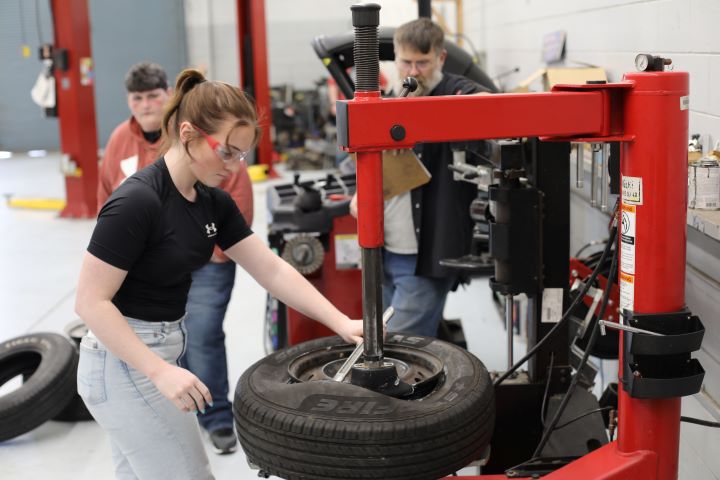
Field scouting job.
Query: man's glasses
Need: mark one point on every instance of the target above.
(420, 65)
(227, 154)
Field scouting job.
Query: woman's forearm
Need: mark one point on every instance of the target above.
(110, 327)
(290, 287)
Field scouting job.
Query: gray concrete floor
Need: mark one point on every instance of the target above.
(40, 256)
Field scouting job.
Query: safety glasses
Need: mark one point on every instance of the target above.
(227, 154)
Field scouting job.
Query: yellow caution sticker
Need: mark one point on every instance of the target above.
(627, 291)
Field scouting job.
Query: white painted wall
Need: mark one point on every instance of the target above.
(609, 33)
(212, 38)
(291, 26)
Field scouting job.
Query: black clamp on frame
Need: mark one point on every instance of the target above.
(659, 365)
(515, 230)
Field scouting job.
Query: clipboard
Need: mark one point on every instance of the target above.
(402, 171)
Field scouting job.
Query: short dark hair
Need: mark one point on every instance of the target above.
(145, 76)
(422, 34)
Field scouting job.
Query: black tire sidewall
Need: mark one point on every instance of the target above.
(43, 394)
(358, 422)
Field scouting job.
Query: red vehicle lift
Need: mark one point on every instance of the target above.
(648, 113)
(76, 98)
(252, 47)
(76, 105)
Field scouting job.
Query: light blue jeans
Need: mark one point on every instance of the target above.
(150, 437)
(418, 301)
(205, 354)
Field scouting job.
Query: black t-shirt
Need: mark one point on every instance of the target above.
(150, 230)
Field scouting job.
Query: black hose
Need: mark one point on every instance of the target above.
(547, 389)
(591, 343)
(583, 415)
(697, 421)
(567, 313)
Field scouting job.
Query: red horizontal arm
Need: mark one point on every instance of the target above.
(367, 124)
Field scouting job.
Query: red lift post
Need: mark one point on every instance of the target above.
(76, 106)
(252, 47)
(648, 113)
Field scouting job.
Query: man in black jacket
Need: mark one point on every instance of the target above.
(431, 222)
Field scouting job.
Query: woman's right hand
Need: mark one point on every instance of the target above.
(182, 388)
(353, 206)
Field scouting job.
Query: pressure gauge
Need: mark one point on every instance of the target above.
(643, 62)
(651, 63)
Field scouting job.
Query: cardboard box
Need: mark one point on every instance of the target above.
(694, 156)
(552, 76)
(573, 76)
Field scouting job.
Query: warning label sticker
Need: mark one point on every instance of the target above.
(684, 102)
(552, 303)
(347, 252)
(632, 190)
(627, 238)
(627, 291)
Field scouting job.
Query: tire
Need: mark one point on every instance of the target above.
(333, 430)
(76, 330)
(47, 362)
(75, 411)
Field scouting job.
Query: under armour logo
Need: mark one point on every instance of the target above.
(211, 229)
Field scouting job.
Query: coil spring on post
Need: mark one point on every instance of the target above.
(367, 67)
(366, 19)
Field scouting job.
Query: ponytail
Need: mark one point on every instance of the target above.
(205, 104)
(185, 82)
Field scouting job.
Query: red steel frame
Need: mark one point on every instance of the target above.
(252, 45)
(648, 113)
(342, 287)
(76, 107)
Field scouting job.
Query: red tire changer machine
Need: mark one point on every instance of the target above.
(312, 229)
(647, 112)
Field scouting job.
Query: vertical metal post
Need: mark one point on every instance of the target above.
(594, 163)
(509, 304)
(605, 179)
(424, 9)
(366, 19)
(372, 304)
(580, 165)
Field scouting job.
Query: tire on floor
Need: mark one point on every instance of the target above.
(75, 411)
(330, 430)
(76, 330)
(47, 363)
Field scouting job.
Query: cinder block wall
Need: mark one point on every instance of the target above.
(291, 25)
(609, 33)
